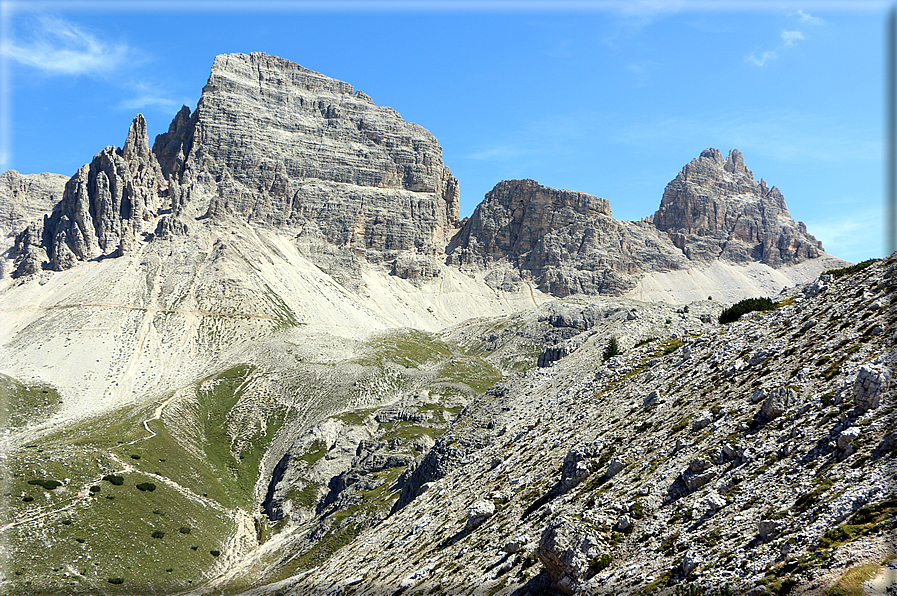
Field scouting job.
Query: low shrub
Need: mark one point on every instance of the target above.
(215, 553)
(27, 498)
(185, 529)
(95, 488)
(612, 349)
(113, 479)
(158, 534)
(47, 484)
(144, 486)
(745, 306)
(116, 580)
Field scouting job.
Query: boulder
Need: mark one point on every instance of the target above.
(478, 512)
(847, 437)
(869, 386)
(779, 400)
(566, 550)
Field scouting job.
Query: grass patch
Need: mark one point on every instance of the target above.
(851, 583)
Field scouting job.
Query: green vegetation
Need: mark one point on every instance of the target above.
(612, 349)
(745, 306)
(851, 583)
(22, 404)
(851, 269)
(599, 564)
(809, 499)
(46, 483)
(869, 519)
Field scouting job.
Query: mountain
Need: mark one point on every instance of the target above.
(265, 355)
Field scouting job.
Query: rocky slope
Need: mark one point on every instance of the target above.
(756, 456)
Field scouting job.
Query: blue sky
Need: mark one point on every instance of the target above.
(611, 98)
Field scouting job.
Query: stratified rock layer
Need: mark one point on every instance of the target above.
(714, 209)
(567, 242)
(280, 145)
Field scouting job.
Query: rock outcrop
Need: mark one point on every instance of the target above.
(714, 209)
(282, 146)
(24, 199)
(566, 242)
(104, 209)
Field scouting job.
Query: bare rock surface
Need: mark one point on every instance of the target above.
(567, 242)
(714, 209)
(282, 146)
(25, 198)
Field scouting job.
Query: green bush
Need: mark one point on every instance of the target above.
(135, 456)
(612, 349)
(850, 270)
(113, 479)
(215, 553)
(158, 534)
(599, 564)
(47, 484)
(115, 580)
(745, 306)
(144, 486)
(184, 529)
(95, 488)
(27, 498)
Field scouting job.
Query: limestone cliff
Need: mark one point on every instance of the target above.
(24, 198)
(566, 241)
(104, 208)
(286, 147)
(714, 209)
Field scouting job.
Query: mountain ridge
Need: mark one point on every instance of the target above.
(266, 356)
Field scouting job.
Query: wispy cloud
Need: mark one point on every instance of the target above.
(847, 232)
(763, 58)
(144, 95)
(788, 40)
(789, 37)
(58, 47)
(809, 19)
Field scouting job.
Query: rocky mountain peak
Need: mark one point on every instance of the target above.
(273, 143)
(714, 209)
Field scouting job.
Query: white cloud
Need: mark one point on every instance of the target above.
(763, 59)
(789, 37)
(144, 96)
(58, 47)
(807, 18)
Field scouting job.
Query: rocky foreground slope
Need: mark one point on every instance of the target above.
(757, 456)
